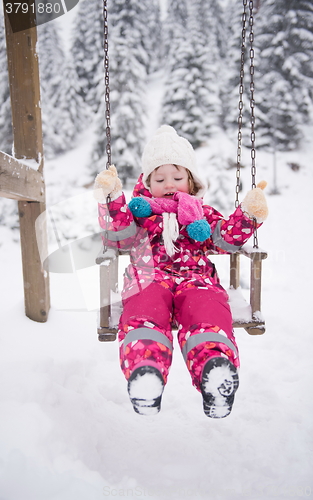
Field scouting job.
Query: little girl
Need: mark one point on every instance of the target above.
(171, 281)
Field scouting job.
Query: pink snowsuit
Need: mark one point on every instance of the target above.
(183, 291)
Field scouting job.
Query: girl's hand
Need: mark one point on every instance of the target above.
(107, 183)
(254, 203)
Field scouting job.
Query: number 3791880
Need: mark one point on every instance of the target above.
(40, 8)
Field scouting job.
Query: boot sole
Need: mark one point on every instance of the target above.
(218, 386)
(145, 389)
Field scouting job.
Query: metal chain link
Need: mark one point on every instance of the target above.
(252, 106)
(106, 83)
(241, 89)
(252, 115)
(107, 108)
(252, 102)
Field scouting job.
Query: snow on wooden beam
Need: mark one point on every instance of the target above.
(20, 182)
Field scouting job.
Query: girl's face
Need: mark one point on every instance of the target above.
(167, 179)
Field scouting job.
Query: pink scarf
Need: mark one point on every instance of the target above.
(182, 207)
(187, 207)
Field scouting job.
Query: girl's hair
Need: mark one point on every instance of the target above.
(193, 186)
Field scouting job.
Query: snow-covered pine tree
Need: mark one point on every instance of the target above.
(72, 114)
(152, 36)
(6, 132)
(191, 103)
(285, 71)
(230, 66)
(87, 51)
(64, 112)
(206, 19)
(221, 189)
(51, 57)
(210, 15)
(175, 106)
(51, 68)
(174, 25)
(143, 18)
(128, 76)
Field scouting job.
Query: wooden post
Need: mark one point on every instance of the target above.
(27, 130)
(234, 279)
(24, 86)
(108, 277)
(105, 296)
(255, 287)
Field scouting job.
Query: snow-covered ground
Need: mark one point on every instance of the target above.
(68, 430)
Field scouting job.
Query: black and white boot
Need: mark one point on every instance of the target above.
(218, 386)
(145, 389)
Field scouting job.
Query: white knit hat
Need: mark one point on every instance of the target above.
(167, 147)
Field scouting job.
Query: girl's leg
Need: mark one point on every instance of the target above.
(146, 345)
(208, 345)
(145, 334)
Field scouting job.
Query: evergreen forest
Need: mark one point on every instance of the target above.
(195, 49)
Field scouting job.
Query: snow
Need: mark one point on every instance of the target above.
(65, 24)
(240, 308)
(67, 428)
(147, 388)
(29, 163)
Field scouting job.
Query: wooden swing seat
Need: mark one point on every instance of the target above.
(251, 320)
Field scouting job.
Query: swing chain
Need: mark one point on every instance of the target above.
(252, 106)
(241, 89)
(252, 116)
(252, 102)
(106, 82)
(107, 108)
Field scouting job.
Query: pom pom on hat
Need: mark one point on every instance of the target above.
(167, 147)
(166, 129)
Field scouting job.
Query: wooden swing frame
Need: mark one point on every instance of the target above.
(18, 181)
(108, 258)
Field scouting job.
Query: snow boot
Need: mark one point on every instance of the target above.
(145, 389)
(219, 383)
